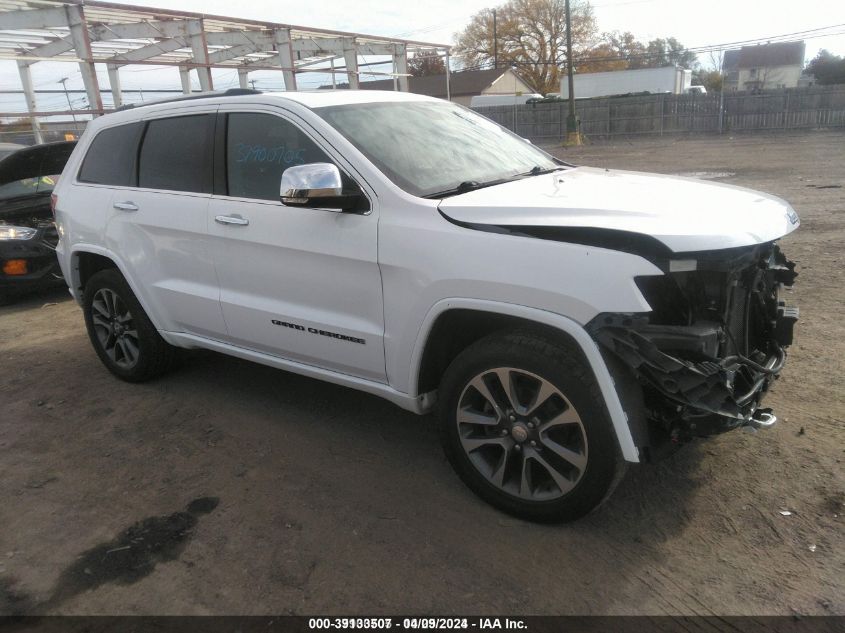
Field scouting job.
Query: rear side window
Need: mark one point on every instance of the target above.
(111, 157)
(259, 147)
(176, 154)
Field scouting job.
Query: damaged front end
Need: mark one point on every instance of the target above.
(712, 345)
(28, 235)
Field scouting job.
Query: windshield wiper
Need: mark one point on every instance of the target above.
(536, 170)
(463, 187)
(472, 185)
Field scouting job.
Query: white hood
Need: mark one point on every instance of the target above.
(685, 214)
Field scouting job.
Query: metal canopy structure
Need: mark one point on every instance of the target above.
(117, 35)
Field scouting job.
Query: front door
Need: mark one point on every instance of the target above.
(302, 284)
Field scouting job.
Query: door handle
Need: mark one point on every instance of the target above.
(231, 219)
(126, 206)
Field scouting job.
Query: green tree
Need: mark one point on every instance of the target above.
(827, 68)
(666, 52)
(426, 63)
(710, 79)
(620, 51)
(530, 35)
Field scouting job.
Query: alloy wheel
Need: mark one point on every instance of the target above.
(115, 329)
(522, 434)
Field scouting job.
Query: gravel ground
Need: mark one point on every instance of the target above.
(233, 488)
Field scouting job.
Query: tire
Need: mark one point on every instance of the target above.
(549, 452)
(121, 332)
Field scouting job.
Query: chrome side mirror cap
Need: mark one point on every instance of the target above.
(317, 186)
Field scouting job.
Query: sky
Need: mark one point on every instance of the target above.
(693, 23)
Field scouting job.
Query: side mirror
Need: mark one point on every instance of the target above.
(318, 186)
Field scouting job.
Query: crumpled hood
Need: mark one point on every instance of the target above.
(685, 214)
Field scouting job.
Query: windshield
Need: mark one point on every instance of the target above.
(431, 147)
(28, 187)
(33, 170)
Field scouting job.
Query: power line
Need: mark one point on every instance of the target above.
(619, 4)
(696, 49)
(434, 27)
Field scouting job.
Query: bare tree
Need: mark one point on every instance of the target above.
(531, 35)
(711, 76)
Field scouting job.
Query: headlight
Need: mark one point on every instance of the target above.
(17, 232)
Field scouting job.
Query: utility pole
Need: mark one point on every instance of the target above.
(572, 135)
(252, 82)
(721, 90)
(69, 104)
(495, 43)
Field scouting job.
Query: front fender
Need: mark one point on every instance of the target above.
(575, 331)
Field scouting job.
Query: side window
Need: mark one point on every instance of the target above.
(110, 159)
(259, 147)
(176, 154)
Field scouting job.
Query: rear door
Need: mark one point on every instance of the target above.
(303, 284)
(158, 225)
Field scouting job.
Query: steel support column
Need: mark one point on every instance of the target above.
(400, 66)
(114, 84)
(350, 56)
(285, 50)
(82, 44)
(199, 47)
(29, 92)
(185, 76)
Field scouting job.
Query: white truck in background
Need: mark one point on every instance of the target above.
(671, 79)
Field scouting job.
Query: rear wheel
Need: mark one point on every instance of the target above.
(121, 332)
(523, 424)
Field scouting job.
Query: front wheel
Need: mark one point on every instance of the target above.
(523, 424)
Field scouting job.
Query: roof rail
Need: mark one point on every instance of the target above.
(231, 92)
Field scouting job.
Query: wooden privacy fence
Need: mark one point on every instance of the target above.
(797, 108)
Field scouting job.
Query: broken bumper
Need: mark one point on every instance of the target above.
(711, 395)
(29, 264)
(713, 345)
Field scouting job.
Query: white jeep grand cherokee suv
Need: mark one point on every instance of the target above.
(563, 320)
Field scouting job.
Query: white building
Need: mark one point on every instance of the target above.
(764, 66)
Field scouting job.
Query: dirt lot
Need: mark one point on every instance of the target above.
(257, 491)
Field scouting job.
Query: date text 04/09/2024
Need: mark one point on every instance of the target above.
(417, 623)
